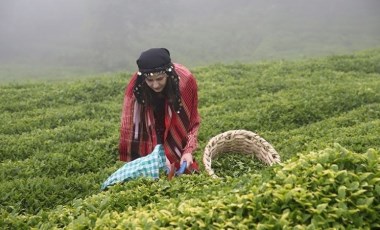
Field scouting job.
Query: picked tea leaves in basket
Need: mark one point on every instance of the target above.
(239, 141)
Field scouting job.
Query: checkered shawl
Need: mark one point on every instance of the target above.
(137, 131)
(148, 166)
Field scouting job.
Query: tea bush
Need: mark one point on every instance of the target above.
(59, 141)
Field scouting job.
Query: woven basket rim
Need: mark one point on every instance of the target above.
(243, 141)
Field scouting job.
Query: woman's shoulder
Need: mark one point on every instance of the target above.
(184, 74)
(182, 70)
(187, 81)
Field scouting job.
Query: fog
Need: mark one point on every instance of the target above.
(99, 36)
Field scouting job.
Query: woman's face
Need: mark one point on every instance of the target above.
(157, 81)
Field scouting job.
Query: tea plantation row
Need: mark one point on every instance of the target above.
(333, 188)
(58, 143)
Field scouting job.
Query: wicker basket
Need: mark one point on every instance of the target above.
(241, 141)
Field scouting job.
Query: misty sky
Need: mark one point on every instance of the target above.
(109, 35)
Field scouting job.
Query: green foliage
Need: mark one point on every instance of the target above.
(332, 188)
(59, 142)
(236, 164)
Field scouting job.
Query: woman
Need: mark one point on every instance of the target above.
(160, 107)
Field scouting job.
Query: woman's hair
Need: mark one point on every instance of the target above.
(170, 91)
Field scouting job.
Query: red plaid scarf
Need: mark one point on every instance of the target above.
(137, 132)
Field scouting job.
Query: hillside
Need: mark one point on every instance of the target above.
(54, 40)
(59, 143)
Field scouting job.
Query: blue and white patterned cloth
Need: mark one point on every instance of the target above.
(148, 166)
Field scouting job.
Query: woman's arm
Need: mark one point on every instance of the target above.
(126, 121)
(192, 137)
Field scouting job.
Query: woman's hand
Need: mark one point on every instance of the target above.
(188, 157)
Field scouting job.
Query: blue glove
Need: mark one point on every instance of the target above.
(182, 169)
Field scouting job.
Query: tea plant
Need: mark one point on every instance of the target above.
(59, 142)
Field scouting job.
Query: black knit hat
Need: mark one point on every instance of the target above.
(154, 60)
